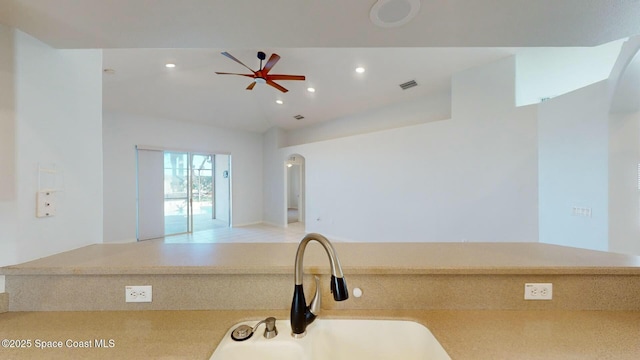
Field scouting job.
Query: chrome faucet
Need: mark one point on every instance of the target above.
(301, 314)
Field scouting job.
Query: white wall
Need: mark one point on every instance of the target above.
(624, 193)
(416, 111)
(7, 115)
(273, 211)
(573, 171)
(223, 186)
(624, 151)
(589, 149)
(8, 218)
(58, 97)
(549, 72)
(471, 178)
(121, 132)
(293, 184)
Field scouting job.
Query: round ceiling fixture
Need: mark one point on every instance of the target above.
(393, 13)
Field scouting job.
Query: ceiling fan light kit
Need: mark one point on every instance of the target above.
(262, 75)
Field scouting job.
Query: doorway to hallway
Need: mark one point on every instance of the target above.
(294, 191)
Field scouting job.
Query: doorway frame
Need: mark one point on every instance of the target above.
(295, 159)
(190, 153)
(192, 170)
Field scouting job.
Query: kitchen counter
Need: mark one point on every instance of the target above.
(227, 276)
(465, 334)
(595, 312)
(156, 257)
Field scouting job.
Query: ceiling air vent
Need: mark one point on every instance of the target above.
(408, 84)
(298, 117)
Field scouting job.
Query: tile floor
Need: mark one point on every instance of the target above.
(176, 224)
(258, 233)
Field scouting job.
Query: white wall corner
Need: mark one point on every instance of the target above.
(58, 105)
(279, 225)
(484, 90)
(628, 52)
(1, 284)
(7, 116)
(573, 152)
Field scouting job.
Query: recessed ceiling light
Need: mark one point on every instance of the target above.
(279, 102)
(310, 89)
(170, 65)
(359, 70)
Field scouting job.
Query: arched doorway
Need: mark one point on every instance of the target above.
(294, 191)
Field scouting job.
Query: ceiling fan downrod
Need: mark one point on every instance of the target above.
(261, 56)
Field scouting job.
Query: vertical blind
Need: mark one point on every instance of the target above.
(150, 193)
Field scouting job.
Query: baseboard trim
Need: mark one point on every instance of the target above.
(257, 223)
(271, 224)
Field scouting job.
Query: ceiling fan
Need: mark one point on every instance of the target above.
(262, 76)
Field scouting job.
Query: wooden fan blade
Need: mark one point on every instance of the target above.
(236, 60)
(226, 73)
(250, 87)
(286, 77)
(270, 82)
(270, 63)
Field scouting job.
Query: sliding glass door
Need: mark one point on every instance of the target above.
(182, 192)
(177, 209)
(210, 191)
(202, 190)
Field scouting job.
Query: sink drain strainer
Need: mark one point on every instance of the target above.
(242, 332)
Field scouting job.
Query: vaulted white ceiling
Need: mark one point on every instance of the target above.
(324, 40)
(192, 91)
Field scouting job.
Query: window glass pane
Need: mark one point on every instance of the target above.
(176, 193)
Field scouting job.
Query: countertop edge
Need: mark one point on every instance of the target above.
(369, 270)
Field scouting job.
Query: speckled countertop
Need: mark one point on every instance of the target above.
(157, 257)
(464, 334)
(476, 335)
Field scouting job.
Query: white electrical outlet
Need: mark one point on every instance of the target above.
(538, 291)
(141, 293)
